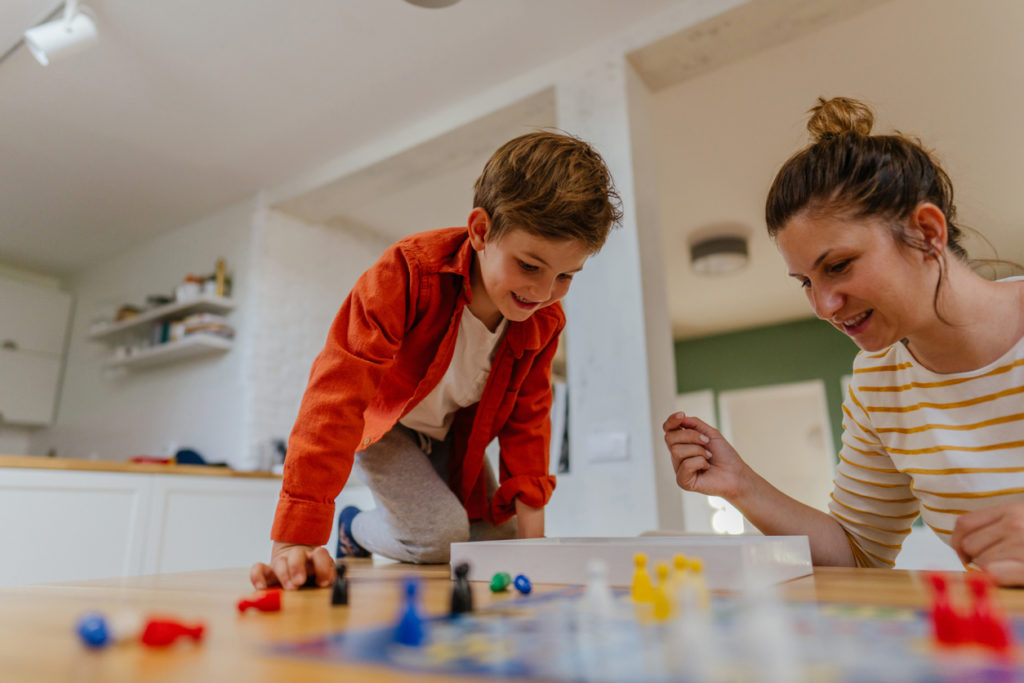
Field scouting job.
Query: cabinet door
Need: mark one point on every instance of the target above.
(28, 387)
(32, 318)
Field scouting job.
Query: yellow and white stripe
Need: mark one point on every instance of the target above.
(918, 442)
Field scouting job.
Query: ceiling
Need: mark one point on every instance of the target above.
(186, 107)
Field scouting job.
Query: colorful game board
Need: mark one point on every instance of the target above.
(553, 637)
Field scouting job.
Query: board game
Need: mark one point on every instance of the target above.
(729, 561)
(739, 638)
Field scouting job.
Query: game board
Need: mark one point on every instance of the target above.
(740, 639)
(730, 562)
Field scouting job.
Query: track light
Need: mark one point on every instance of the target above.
(61, 37)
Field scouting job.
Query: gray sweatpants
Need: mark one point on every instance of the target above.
(417, 516)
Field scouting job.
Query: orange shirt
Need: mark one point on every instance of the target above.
(387, 348)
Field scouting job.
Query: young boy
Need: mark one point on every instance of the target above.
(443, 345)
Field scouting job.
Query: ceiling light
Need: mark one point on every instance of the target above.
(718, 255)
(61, 37)
(432, 3)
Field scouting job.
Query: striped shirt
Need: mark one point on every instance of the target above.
(919, 442)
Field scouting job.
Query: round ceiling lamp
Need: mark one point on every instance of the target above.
(718, 255)
(433, 4)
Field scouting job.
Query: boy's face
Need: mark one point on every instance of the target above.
(519, 273)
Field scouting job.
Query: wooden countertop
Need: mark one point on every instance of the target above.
(44, 463)
(38, 643)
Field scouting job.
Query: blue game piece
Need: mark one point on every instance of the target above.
(409, 630)
(92, 629)
(523, 584)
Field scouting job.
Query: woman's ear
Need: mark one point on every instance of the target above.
(930, 222)
(479, 227)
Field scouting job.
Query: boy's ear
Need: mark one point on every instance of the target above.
(929, 220)
(479, 227)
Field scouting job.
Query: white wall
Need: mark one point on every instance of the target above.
(197, 403)
(304, 272)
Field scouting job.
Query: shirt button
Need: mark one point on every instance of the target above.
(366, 442)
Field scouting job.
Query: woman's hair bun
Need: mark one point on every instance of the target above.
(839, 115)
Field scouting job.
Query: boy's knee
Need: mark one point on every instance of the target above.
(435, 546)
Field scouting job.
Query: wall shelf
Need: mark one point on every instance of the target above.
(200, 304)
(193, 345)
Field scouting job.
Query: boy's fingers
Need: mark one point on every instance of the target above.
(262, 576)
(323, 567)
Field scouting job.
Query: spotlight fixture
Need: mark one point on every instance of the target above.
(61, 37)
(718, 255)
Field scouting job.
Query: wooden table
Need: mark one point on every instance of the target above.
(38, 642)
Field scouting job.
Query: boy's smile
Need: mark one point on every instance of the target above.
(519, 273)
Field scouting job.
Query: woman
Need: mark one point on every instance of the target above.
(934, 418)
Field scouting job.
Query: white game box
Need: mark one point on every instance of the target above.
(730, 562)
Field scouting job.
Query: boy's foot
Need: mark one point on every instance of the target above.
(347, 546)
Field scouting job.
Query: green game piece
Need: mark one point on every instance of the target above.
(500, 582)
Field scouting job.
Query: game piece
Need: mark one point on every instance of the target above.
(410, 630)
(93, 630)
(695, 578)
(661, 599)
(339, 594)
(643, 591)
(159, 632)
(462, 592)
(680, 566)
(598, 598)
(988, 627)
(267, 601)
(500, 582)
(97, 631)
(947, 626)
(523, 584)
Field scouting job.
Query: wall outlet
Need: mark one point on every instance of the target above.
(607, 446)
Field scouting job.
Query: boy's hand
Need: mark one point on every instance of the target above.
(290, 564)
(993, 540)
(702, 459)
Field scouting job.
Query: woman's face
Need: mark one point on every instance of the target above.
(859, 278)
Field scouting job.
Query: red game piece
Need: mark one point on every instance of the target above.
(267, 601)
(947, 625)
(159, 632)
(987, 626)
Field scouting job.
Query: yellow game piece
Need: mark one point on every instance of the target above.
(643, 591)
(697, 582)
(662, 600)
(680, 568)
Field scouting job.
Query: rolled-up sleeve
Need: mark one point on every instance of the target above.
(525, 442)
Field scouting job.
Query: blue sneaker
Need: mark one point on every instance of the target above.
(347, 546)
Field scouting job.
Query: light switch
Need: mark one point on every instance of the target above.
(607, 446)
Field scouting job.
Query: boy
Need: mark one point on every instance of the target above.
(443, 345)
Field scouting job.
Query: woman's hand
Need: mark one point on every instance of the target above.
(993, 540)
(702, 459)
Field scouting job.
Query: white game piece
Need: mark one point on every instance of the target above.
(598, 600)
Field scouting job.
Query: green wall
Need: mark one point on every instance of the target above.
(776, 354)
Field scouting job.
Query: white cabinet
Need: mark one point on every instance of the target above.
(71, 525)
(33, 328)
(131, 339)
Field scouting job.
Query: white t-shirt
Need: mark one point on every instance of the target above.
(464, 380)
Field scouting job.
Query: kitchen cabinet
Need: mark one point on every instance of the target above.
(33, 330)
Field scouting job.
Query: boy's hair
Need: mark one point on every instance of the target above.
(549, 184)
